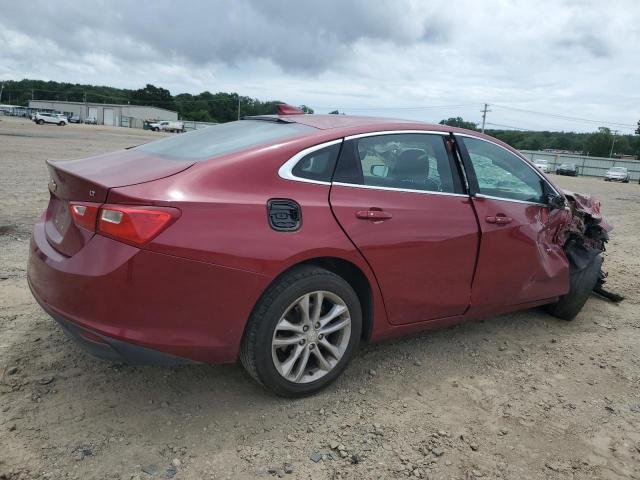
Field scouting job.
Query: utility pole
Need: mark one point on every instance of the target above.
(615, 132)
(484, 115)
(238, 106)
(1, 89)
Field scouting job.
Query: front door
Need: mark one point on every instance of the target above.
(519, 260)
(400, 200)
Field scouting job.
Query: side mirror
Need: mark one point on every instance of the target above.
(555, 202)
(379, 170)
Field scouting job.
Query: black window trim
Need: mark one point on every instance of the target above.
(474, 188)
(440, 133)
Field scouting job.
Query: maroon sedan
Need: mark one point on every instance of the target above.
(286, 240)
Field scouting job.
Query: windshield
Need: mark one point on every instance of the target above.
(222, 139)
(567, 165)
(541, 162)
(618, 169)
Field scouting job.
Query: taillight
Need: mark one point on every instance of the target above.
(133, 224)
(85, 214)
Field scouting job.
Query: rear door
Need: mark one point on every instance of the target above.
(520, 260)
(399, 198)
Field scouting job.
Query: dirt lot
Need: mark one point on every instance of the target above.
(518, 396)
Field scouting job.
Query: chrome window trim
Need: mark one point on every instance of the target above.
(393, 189)
(526, 162)
(286, 170)
(395, 132)
(502, 199)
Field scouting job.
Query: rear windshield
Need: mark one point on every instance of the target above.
(618, 169)
(222, 139)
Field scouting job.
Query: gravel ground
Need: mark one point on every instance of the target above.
(517, 396)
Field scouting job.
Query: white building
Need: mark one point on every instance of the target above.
(107, 113)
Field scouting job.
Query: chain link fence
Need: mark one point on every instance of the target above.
(588, 166)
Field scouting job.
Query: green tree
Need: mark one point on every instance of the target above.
(306, 109)
(599, 144)
(154, 96)
(460, 123)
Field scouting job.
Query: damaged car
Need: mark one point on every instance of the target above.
(284, 241)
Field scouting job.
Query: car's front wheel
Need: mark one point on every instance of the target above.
(302, 332)
(581, 284)
(40, 122)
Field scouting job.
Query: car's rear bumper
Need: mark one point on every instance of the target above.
(108, 348)
(142, 306)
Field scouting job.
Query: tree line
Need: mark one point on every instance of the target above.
(203, 107)
(595, 144)
(223, 107)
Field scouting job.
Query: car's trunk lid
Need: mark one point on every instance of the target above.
(89, 180)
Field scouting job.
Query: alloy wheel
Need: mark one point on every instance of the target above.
(311, 337)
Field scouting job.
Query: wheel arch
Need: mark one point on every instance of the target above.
(349, 272)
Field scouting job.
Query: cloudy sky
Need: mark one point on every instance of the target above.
(423, 59)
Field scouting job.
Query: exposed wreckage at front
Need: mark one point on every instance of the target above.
(586, 237)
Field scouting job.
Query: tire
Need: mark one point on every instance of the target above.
(40, 122)
(259, 356)
(61, 124)
(155, 129)
(581, 285)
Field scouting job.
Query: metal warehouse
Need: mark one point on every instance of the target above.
(107, 113)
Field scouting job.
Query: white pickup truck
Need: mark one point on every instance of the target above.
(167, 126)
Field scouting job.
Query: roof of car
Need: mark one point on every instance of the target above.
(325, 122)
(354, 124)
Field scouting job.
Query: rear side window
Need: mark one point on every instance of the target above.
(318, 165)
(408, 161)
(223, 139)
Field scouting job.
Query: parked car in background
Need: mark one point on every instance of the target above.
(617, 174)
(74, 119)
(567, 169)
(91, 120)
(57, 118)
(542, 165)
(285, 241)
(167, 126)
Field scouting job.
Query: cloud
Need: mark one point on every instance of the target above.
(572, 57)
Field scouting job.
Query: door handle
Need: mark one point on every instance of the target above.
(499, 219)
(375, 214)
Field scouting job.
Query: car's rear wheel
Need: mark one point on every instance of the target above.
(582, 283)
(40, 122)
(302, 332)
(61, 124)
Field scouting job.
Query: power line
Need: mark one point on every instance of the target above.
(509, 126)
(427, 107)
(564, 117)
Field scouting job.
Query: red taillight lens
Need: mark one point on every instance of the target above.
(85, 214)
(135, 225)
